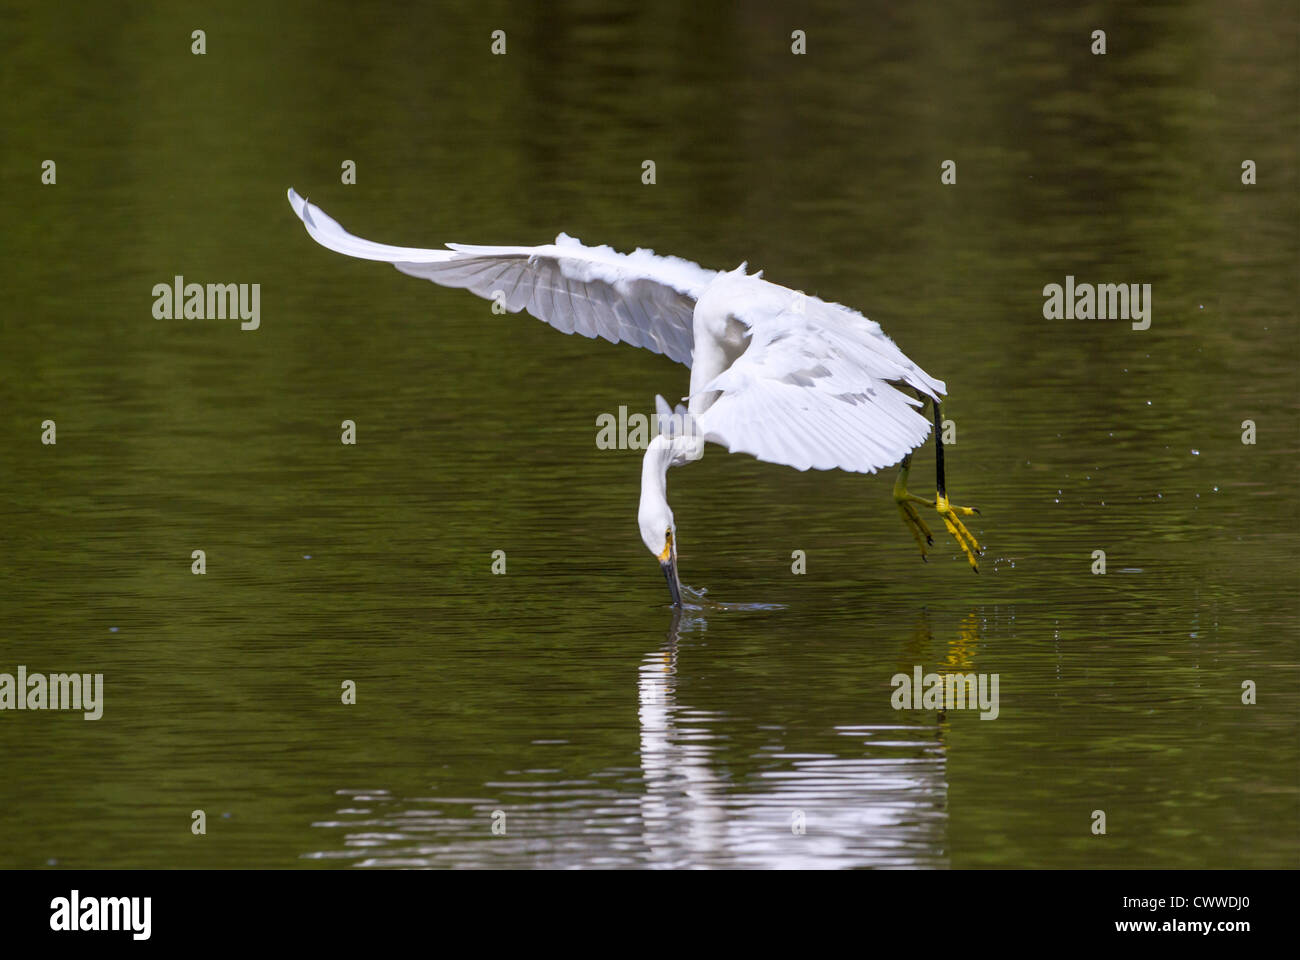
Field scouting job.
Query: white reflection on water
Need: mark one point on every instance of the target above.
(879, 803)
(856, 811)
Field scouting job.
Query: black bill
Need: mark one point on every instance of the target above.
(669, 567)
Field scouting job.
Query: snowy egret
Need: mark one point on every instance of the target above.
(776, 373)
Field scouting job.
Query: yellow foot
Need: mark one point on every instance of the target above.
(951, 515)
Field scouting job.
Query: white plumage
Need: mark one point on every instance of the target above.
(812, 385)
(637, 298)
(775, 373)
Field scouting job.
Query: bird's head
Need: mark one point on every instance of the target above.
(660, 537)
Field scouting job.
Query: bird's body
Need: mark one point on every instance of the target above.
(776, 373)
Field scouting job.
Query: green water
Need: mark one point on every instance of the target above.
(562, 693)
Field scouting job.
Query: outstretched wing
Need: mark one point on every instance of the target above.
(638, 298)
(817, 386)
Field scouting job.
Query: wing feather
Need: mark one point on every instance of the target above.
(819, 386)
(638, 298)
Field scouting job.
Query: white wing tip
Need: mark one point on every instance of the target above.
(301, 206)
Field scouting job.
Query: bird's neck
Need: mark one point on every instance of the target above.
(654, 473)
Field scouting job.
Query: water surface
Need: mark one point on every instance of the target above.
(564, 696)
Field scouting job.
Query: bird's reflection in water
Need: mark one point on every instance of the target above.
(683, 808)
(814, 810)
(870, 791)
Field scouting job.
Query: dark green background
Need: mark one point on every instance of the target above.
(557, 693)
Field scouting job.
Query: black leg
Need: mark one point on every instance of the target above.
(907, 502)
(939, 482)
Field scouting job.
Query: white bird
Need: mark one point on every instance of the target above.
(776, 373)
